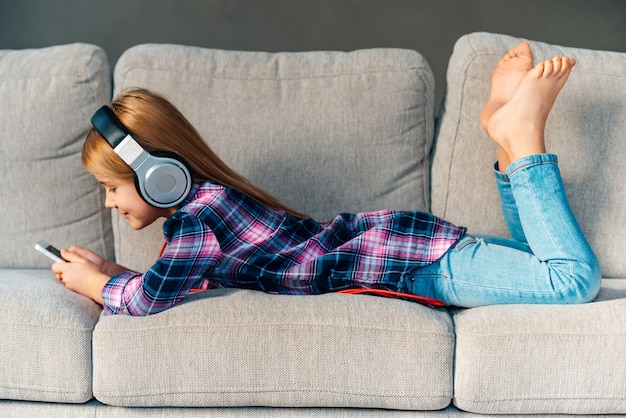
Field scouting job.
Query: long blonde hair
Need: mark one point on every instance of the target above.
(157, 125)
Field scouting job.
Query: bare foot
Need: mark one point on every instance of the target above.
(506, 78)
(504, 81)
(518, 126)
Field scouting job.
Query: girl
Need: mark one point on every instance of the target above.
(228, 233)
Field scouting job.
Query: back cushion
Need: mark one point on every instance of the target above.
(325, 132)
(585, 129)
(47, 97)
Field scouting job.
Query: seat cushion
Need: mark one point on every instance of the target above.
(45, 338)
(585, 129)
(325, 132)
(523, 359)
(47, 97)
(247, 348)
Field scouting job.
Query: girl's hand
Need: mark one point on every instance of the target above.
(83, 275)
(105, 266)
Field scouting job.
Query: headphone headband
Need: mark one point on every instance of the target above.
(108, 126)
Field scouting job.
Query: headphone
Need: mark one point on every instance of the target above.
(162, 180)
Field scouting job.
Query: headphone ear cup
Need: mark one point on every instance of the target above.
(164, 180)
(171, 155)
(138, 187)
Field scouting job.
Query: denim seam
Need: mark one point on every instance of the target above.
(530, 161)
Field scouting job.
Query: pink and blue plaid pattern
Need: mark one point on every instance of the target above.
(222, 238)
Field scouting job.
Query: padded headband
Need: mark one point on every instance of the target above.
(108, 126)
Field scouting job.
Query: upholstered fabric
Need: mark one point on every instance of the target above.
(540, 359)
(95, 409)
(585, 129)
(543, 359)
(247, 348)
(47, 97)
(19, 409)
(326, 132)
(45, 344)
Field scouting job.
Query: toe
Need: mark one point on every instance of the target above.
(557, 64)
(548, 67)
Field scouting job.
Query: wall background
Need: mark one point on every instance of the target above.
(430, 27)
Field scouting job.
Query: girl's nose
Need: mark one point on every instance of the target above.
(109, 203)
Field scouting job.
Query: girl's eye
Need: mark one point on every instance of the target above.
(111, 190)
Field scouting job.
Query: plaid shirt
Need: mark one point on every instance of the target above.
(222, 238)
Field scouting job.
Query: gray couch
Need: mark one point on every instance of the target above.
(325, 132)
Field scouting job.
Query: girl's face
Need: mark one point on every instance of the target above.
(123, 196)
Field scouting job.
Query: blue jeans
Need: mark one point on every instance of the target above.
(548, 259)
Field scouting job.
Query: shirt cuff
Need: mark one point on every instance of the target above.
(114, 291)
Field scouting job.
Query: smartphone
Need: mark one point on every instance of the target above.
(50, 251)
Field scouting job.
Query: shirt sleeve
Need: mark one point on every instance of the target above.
(192, 253)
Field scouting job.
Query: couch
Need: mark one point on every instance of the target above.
(326, 132)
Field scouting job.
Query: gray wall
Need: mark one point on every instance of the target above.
(430, 27)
